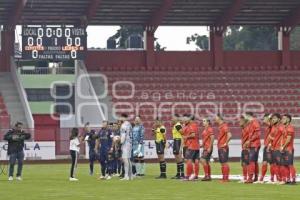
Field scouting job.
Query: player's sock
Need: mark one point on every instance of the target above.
(143, 168)
(282, 173)
(205, 169)
(123, 169)
(181, 169)
(103, 168)
(223, 171)
(119, 167)
(209, 170)
(287, 173)
(91, 168)
(264, 169)
(196, 168)
(226, 171)
(134, 168)
(189, 168)
(256, 171)
(138, 167)
(272, 171)
(277, 172)
(251, 171)
(292, 171)
(178, 169)
(245, 172)
(163, 168)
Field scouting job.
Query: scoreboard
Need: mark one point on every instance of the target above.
(53, 43)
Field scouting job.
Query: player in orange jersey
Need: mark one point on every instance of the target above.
(223, 147)
(267, 155)
(287, 149)
(253, 144)
(245, 148)
(207, 145)
(191, 135)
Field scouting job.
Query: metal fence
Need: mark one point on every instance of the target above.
(32, 70)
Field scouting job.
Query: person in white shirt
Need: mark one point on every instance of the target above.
(75, 141)
(126, 142)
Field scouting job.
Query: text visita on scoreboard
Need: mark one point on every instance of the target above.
(53, 42)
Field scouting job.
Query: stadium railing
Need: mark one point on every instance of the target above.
(29, 70)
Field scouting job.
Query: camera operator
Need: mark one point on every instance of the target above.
(16, 138)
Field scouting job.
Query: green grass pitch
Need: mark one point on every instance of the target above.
(51, 182)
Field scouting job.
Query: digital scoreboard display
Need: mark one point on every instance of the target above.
(53, 43)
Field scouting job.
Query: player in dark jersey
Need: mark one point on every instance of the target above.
(103, 145)
(90, 137)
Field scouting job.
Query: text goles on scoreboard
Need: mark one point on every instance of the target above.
(53, 43)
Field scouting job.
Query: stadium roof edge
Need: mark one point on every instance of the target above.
(160, 12)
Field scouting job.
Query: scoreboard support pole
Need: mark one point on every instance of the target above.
(7, 49)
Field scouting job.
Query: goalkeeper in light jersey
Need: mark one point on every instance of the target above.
(126, 142)
(138, 133)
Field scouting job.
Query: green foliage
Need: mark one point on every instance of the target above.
(247, 38)
(295, 39)
(200, 40)
(126, 31)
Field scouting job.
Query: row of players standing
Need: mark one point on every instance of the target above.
(118, 147)
(278, 148)
(186, 147)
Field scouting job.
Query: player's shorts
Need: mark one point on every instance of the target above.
(103, 156)
(192, 154)
(184, 149)
(245, 157)
(177, 146)
(160, 147)
(110, 156)
(223, 155)
(287, 158)
(206, 155)
(92, 155)
(253, 154)
(267, 157)
(136, 153)
(276, 157)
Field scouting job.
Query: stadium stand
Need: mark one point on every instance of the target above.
(277, 91)
(4, 116)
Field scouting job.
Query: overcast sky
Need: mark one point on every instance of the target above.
(171, 37)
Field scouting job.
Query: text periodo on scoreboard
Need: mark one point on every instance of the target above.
(53, 43)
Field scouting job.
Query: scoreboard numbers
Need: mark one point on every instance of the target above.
(53, 43)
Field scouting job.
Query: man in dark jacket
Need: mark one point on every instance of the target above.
(15, 138)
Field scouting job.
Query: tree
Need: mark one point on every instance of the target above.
(240, 38)
(126, 31)
(295, 39)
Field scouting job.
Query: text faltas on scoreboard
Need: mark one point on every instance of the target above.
(53, 43)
